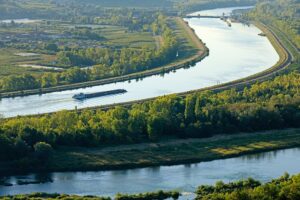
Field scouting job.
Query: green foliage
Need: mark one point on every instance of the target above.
(12, 83)
(106, 62)
(283, 188)
(183, 6)
(51, 47)
(273, 104)
(160, 195)
(149, 196)
(284, 15)
(42, 150)
(38, 196)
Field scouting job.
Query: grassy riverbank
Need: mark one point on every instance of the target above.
(193, 50)
(167, 152)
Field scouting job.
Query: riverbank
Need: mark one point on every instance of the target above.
(238, 84)
(167, 152)
(285, 59)
(201, 51)
(161, 195)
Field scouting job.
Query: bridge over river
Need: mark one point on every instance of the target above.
(206, 16)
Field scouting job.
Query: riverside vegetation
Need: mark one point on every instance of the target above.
(282, 17)
(106, 61)
(42, 141)
(269, 105)
(284, 188)
(161, 195)
(89, 39)
(280, 14)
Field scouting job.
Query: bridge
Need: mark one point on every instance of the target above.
(205, 16)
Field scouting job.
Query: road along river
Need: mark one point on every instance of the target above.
(235, 52)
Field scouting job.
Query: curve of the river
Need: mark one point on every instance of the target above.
(184, 178)
(235, 52)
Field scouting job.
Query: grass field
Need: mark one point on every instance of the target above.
(167, 152)
(9, 62)
(192, 50)
(173, 151)
(120, 37)
(116, 37)
(190, 44)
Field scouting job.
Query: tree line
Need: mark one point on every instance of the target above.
(284, 188)
(159, 195)
(269, 105)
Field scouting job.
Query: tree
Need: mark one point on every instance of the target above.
(155, 127)
(6, 147)
(75, 75)
(63, 59)
(189, 112)
(30, 135)
(43, 151)
(48, 80)
(51, 47)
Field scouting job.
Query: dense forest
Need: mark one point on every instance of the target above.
(269, 105)
(283, 188)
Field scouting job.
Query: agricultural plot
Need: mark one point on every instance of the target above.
(24, 46)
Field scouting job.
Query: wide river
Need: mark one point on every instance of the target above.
(235, 52)
(185, 178)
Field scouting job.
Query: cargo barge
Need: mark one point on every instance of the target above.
(82, 96)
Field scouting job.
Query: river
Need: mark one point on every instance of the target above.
(185, 178)
(235, 52)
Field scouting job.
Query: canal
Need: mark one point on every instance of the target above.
(235, 52)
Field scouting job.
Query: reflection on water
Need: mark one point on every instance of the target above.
(266, 156)
(235, 52)
(32, 179)
(261, 166)
(20, 21)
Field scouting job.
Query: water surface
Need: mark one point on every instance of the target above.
(235, 52)
(20, 21)
(185, 178)
(218, 11)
